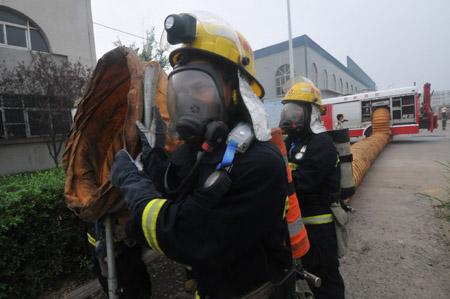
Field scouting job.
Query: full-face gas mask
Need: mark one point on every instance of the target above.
(194, 99)
(295, 119)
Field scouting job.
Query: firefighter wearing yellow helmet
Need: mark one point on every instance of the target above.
(316, 175)
(217, 204)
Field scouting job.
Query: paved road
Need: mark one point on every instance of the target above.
(399, 247)
(399, 243)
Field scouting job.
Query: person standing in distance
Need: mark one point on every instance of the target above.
(340, 122)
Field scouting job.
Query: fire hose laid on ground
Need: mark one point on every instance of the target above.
(365, 151)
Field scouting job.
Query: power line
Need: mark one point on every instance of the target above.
(118, 30)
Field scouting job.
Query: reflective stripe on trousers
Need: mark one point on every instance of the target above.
(319, 219)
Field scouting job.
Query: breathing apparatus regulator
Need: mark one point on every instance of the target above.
(239, 140)
(216, 134)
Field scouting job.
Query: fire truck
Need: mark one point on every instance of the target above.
(403, 103)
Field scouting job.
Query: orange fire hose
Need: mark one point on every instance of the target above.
(365, 151)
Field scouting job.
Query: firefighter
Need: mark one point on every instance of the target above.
(444, 117)
(218, 206)
(316, 174)
(340, 122)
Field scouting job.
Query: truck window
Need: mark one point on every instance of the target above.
(366, 111)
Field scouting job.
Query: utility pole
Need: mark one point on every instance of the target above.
(291, 49)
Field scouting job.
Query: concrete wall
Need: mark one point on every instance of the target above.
(28, 155)
(66, 25)
(68, 30)
(269, 59)
(324, 64)
(266, 68)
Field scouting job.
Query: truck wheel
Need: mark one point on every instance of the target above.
(368, 132)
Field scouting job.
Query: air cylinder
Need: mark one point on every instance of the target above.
(341, 139)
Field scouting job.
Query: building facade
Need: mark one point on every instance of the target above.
(311, 61)
(61, 28)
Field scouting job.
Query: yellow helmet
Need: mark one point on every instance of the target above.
(214, 37)
(304, 91)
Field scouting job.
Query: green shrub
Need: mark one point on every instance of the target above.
(445, 202)
(41, 240)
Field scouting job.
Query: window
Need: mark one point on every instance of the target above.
(352, 89)
(27, 116)
(315, 75)
(334, 82)
(325, 79)
(281, 77)
(356, 89)
(341, 87)
(346, 87)
(17, 31)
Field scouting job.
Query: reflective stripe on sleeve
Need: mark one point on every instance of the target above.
(319, 219)
(149, 218)
(295, 227)
(91, 239)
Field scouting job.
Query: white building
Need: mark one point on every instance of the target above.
(63, 28)
(311, 61)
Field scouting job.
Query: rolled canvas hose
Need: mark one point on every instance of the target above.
(105, 123)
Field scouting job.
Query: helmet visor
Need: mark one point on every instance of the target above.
(193, 98)
(293, 117)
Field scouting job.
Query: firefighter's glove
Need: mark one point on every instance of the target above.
(154, 157)
(123, 166)
(136, 187)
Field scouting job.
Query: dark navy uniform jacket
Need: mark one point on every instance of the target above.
(317, 173)
(234, 243)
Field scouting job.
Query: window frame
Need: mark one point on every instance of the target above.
(19, 104)
(334, 83)
(28, 27)
(315, 75)
(282, 74)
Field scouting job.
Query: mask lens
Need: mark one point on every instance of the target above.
(192, 100)
(293, 117)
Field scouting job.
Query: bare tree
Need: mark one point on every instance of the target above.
(45, 90)
(151, 50)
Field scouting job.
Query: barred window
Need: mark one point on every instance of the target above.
(28, 116)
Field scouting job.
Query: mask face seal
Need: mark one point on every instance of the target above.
(194, 99)
(293, 119)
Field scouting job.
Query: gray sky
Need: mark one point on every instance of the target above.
(396, 42)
